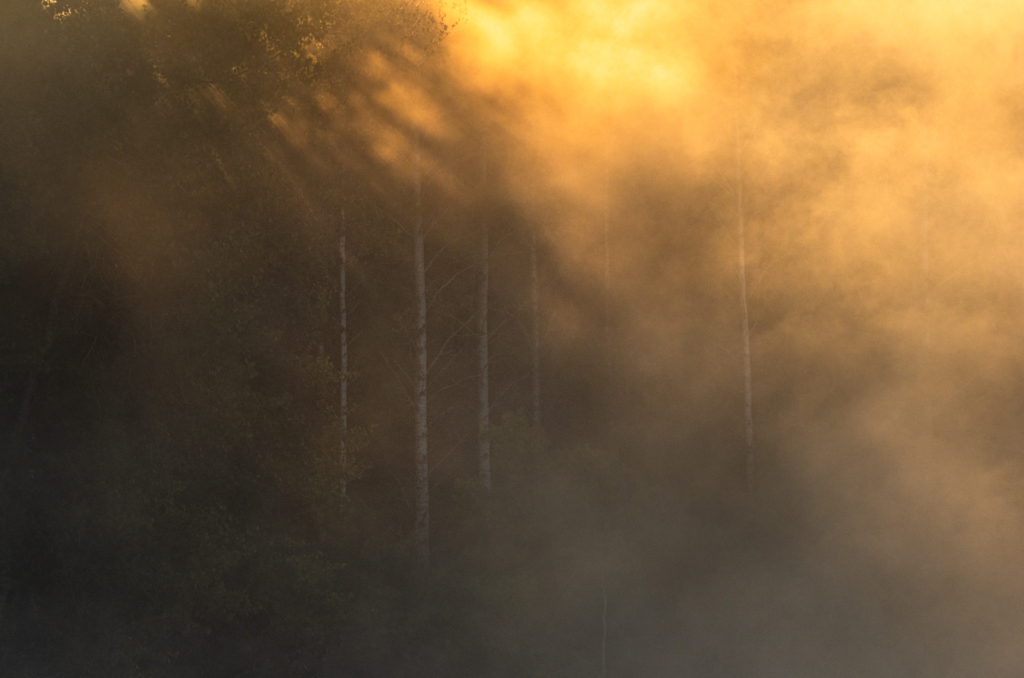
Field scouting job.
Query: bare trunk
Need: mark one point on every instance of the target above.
(604, 631)
(607, 272)
(484, 401)
(926, 282)
(926, 288)
(607, 388)
(344, 360)
(422, 531)
(748, 405)
(535, 327)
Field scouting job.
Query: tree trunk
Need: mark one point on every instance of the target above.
(607, 387)
(926, 303)
(484, 402)
(422, 530)
(748, 408)
(607, 320)
(604, 631)
(344, 359)
(535, 338)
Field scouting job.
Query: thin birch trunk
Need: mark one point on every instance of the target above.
(535, 338)
(422, 530)
(607, 272)
(604, 631)
(926, 285)
(484, 414)
(748, 405)
(343, 269)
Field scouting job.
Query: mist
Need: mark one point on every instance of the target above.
(879, 157)
(751, 352)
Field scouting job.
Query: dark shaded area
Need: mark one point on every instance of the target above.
(171, 481)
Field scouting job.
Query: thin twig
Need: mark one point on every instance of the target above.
(405, 388)
(501, 395)
(446, 342)
(449, 282)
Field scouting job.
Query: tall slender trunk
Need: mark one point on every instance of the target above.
(607, 320)
(422, 530)
(484, 401)
(604, 631)
(343, 269)
(607, 388)
(535, 333)
(926, 246)
(926, 280)
(926, 289)
(748, 405)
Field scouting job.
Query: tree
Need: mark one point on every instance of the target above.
(173, 417)
(535, 417)
(483, 385)
(748, 395)
(422, 531)
(343, 349)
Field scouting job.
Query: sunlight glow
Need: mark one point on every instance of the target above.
(595, 50)
(136, 8)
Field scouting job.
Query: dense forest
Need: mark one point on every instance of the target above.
(359, 338)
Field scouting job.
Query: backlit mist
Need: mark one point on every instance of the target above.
(511, 338)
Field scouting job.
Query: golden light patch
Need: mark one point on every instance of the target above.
(592, 49)
(136, 8)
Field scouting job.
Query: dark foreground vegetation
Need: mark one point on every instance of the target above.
(172, 488)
